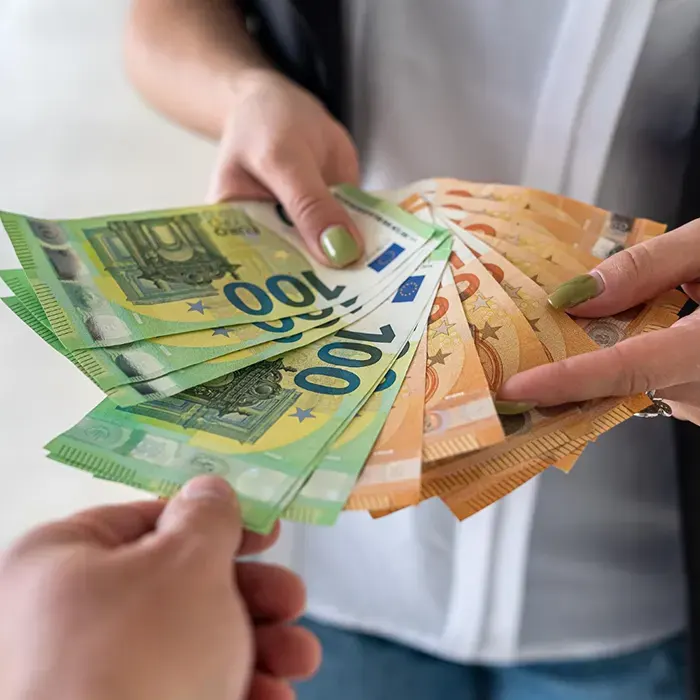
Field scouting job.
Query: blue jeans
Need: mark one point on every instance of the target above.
(359, 667)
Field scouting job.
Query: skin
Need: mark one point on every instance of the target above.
(195, 62)
(666, 360)
(146, 601)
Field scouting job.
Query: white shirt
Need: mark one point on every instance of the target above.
(529, 93)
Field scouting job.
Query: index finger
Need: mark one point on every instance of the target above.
(651, 361)
(106, 526)
(253, 543)
(118, 525)
(634, 275)
(326, 227)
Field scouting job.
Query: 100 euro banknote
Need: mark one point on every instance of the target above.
(264, 428)
(114, 280)
(328, 489)
(96, 361)
(180, 380)
(143, 361)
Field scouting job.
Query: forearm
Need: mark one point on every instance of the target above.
(188, 58)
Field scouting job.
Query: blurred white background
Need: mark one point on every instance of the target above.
(75, 140)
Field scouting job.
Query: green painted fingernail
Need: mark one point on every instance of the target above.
(576, 291)
(513, 408)
(339, 245)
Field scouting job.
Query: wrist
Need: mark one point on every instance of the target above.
(249, 81)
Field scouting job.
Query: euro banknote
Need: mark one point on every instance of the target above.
(460, 415)
(143, 361)
(264, 428)
(391, 475)
(329, 488)
(375, 399)
(113, 280)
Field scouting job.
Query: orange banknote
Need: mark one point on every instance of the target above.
(545, 228)
(504, 338)
(391, 475)
(601, 233)
(460, 415)
(546, 273)
(557, 432)
(560, 336)
(487, 486)
(467, 485)
(531, 242)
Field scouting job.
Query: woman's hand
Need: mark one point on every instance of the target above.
(280, 142)
(144, 601)
(667, 360)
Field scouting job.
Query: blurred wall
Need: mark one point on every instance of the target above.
(75, 140)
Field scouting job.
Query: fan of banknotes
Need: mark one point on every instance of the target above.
(223, 348)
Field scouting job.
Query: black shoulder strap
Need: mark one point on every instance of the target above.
(690, 198)
(305, 40)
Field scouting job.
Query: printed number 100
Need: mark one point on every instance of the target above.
(286, 289)
(364, 355)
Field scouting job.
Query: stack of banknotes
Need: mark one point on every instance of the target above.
(224, 348)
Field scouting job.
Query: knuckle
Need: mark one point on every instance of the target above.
(565, 380)
(633, 264)
(561, 372)
(341, 137)
(305, 207)
(228, 171)
(37, 540)
(271, 157)
(183, 545)
(631, 378)
(22, 547)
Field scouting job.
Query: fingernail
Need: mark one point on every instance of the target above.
(513, 408)
(339, 245)
(576, 291)
(208, 487)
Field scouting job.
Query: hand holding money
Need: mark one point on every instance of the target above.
(665, 362)
(285, 145)
(150, 586)
(224, 348)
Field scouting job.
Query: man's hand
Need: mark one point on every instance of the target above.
(144, 601)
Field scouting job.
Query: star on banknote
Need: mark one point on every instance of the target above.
(488, 331)
(443, 328)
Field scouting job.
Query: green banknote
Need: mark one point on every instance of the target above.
(181, 380)
(19, 285)
(323, 496)
(115, 280)
(178, 381)
(264, 428)
(161, 387)
(43, 331)
(143, 361)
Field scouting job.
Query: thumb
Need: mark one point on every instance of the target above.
(326, 227)
(634, 275)
(206, 511)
